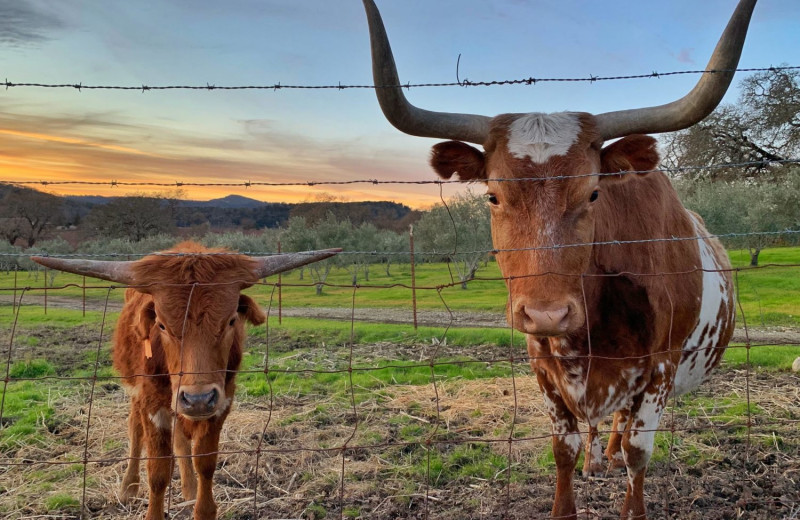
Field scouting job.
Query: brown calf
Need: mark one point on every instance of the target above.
(623, 297)
(177, 345)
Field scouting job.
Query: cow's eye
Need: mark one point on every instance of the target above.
(594, 195)
(492, 199)
(232, 322)
(161, 326)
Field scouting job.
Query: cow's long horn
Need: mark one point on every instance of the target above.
(119, 272)
(402, 114)
(698, 103)
(269, 265)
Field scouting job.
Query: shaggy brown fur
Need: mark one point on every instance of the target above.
(192, 313)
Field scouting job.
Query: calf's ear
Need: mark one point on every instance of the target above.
(456, 158)
(634, 153)
(146, 320)
(250, 311)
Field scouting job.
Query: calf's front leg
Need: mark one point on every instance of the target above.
(204, 451)
(158, 434)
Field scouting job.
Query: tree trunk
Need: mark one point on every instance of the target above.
(319, 287)
(754, 256)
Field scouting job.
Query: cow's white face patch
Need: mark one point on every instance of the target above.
(540, 136)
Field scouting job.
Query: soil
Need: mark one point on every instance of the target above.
(314, 455)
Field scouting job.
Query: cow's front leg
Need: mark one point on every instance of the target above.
(566, 448)
(637, 442)
(206, 444)
(158, 434)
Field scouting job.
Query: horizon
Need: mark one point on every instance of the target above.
(315, 137)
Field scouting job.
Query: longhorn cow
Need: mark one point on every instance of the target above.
(177, 346)
(624, 298)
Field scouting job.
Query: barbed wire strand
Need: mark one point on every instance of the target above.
(375, 182)
(529, 81)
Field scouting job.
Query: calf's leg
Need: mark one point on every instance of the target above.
(130, 481)
(206, 444)
(183, 451)
(158, 434)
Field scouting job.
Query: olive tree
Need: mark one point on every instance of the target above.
(458, 232)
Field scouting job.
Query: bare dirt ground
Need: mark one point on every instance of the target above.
(412, 451)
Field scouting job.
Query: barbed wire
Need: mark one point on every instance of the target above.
(248, 184)
(339, 86)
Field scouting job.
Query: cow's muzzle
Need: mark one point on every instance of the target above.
(546, 319)
(198, 402)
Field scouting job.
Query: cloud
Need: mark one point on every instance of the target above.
(24, 23)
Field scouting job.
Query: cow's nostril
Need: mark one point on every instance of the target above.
(212, 401)
(205, 400)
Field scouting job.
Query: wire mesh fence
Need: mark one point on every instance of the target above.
(362, 406)
(333, 424)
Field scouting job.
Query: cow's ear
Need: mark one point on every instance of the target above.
(456, 158)
(250, 311)
(146, 319)
(634, 153)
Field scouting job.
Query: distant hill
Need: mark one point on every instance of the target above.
(231, 201)
(236, 211)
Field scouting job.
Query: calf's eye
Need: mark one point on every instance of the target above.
(161, 326)
(594, 195)
(232, 322)
(492, 199)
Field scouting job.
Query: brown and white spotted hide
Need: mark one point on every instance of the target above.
(191, 313)
(615, 327)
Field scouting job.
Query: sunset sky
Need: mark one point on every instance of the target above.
(323, 135)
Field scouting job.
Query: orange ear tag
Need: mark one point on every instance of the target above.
(148, 349)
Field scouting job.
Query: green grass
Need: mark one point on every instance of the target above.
(768, 295)
(766, 357)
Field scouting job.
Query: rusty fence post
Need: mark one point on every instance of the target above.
(84, 296)
(45, 290)
(413, 275)
(280, 292)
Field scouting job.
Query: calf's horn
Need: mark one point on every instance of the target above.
(269, 265)
(120, 272)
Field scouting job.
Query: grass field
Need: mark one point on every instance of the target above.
(430, 412)
(768, 295)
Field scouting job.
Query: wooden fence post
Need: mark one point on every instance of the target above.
(413, 275)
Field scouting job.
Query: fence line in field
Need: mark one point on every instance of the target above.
(435, 442)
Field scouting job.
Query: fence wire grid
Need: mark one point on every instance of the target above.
(334, 424)
(353, 429)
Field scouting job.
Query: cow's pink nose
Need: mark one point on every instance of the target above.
(547, 322)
